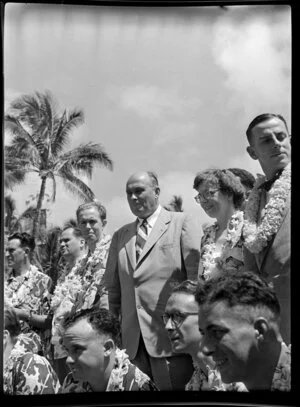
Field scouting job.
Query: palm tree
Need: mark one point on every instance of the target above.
(11, 223)
(175, 205)
(51, 256)
(39, 137)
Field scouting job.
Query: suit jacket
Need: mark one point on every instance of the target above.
(138, 291)
(273, 264)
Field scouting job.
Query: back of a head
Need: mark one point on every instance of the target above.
(11, 321)
(101, 320)
(238, 288)
(246, 178)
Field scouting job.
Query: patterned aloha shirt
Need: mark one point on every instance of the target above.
(62, 301)
(124, 377)
(80, 289)
(200, 381)
(28, 373)
(31, 291)
(282, 376)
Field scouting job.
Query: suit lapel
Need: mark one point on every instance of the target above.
(160, 226)
(130, 238)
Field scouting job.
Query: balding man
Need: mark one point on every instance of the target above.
(146, 259)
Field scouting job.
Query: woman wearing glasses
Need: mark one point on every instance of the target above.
(181, 322)
(221, 195)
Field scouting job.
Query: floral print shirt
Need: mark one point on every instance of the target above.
(282, 376)
(230, 255)
(200, 381)
(28, 373)
(124, 377)
(30, 291)
(80, 289)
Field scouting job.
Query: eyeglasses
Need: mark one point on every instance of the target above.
(204, 197)
(177, 318)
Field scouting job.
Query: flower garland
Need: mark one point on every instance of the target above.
(116, 379)
(79, 277)
(210, 258)
(257, 235)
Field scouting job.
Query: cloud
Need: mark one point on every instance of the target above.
(181, 183)
(152, 101)
(176, 132)
(118, 213)
(255, 54)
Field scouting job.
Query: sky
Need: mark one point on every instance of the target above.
(171, 90)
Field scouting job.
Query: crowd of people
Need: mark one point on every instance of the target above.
(158, 306)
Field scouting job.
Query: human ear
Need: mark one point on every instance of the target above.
(252, 153)
(261, 326)
(157, 191)
(5, 337)
(109, 346)
(104, 222)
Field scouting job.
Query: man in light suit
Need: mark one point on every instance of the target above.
(140, 280)
(268, 252)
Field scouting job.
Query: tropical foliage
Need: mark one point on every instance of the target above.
(175, 205)
(40, 134)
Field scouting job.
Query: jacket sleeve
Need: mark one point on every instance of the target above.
(111, 279)
(190, 247)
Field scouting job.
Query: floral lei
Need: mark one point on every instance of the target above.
(79, 277)
(257, 235)
(211, 259)
(116, 379)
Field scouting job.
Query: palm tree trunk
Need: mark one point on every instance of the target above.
(38, 208)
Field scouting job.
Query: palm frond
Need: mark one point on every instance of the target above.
(77, 187)
(84, 158)
(63, 128)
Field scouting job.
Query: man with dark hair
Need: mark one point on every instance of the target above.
(91, 338)
(27, 289)
(239, 321)
(24, 372)
(159, 249)
(267, 213)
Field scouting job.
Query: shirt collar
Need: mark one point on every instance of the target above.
(152, 218)
(282, 375)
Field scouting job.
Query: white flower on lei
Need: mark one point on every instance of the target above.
(116, 379)
(257, 235)
(211, 260)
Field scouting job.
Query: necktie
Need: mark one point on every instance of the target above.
(141, 238)
(268, 184)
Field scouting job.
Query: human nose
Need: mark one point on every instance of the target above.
(70, 360)
(169, 325)
(207, 347)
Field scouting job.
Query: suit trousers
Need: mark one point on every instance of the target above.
(168, 373)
